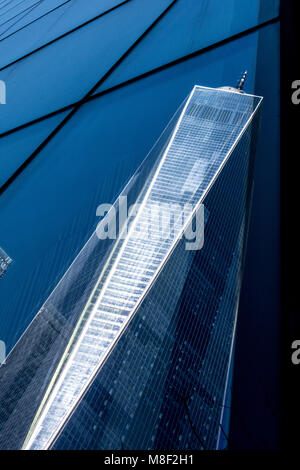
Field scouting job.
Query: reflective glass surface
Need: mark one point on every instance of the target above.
(201, 24)
(45, 81)
(44, 22)
(16, 147)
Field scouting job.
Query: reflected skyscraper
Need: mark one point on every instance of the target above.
(5, 261)
(132, 349)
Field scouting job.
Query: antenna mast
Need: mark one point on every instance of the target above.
(242, 81)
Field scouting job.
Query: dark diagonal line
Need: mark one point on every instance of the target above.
(82, 101)
(184, 58)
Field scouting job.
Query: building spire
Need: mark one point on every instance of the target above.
(240, 85)
(242, 81)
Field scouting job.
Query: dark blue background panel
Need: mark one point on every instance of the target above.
(255, 395)
(189, 26)
(66, 16)
(50, 209)
(65, 71)
(16, 147)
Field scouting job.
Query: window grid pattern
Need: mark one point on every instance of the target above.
(176, 352)
(208, 127)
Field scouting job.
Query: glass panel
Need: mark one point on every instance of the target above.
(65, 71)
(16, 147)
(69, 15)
(200, 24)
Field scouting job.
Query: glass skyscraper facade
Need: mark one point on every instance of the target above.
(89, 88)
(214, 129)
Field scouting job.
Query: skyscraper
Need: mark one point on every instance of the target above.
(132, 349)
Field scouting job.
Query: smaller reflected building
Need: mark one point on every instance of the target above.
(5, 261)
